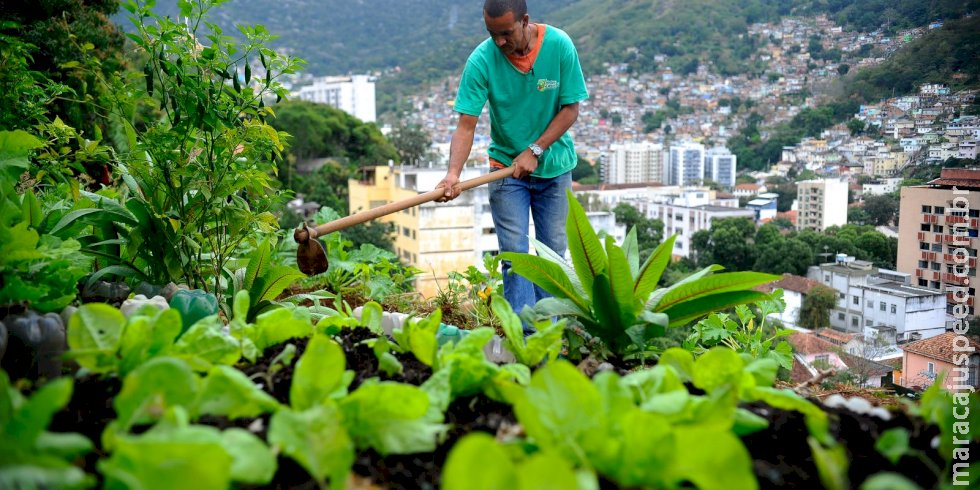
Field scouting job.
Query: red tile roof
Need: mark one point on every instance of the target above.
(939, 347)
(834, 336)
(792, 282)
(809, 344)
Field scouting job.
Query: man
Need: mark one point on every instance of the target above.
(531, 77)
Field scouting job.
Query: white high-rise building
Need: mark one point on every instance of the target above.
(821, 203)
(686, 165)
(635, 163)
(719, 166)
(353, 95)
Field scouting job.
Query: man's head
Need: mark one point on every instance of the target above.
(506, 22)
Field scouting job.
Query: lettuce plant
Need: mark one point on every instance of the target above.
(741, 333)
(614, 297)
(32, 456)
(544, 343)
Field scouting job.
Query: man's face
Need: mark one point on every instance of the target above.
(506, 31)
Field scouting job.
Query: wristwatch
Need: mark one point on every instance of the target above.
(535, 150)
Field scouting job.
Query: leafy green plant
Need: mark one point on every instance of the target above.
(32, 456)
(177, 454)
(37, 270)
(478, 462)
(270, 328)
(614, 297)
(741, 333)
(263, 279)
(200, 181)
(544, 343)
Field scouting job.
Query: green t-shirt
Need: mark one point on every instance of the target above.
(522, 105)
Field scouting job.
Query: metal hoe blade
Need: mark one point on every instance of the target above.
(310, 255)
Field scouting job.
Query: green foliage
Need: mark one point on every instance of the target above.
(612, 296)
(270, 328)
(868, 15)
(264, 280)
(201, 179)
(413, 144)
(477, 462)
(24, 92)
(175, 454)
(316, 439)
(37, 269)
(881, 210)
(392, 418)
(32, 456)
(817, 305)
(649, 232)
(741, 333)
(544, 343)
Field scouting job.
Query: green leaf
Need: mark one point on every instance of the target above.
(15, 146)
(316, 439)
(546, 471)
(657, 296)
(63, 445)
(29, 420)
(31, 209)
(681, 360)
(559, 411)
(763, 370)
(608, 315)
(252, 461)
(418, 336)
(632, 250)
(279, 325)
(786, 399)
(226, 391)
(647, 449)
(205, 340)
(391, 418)
(893, 444)
(477, 462)
(470, 371)
(653, 268)
(145, 337)
(721, 465)
(545, 252)
(187, 457)
(621, 283)
(94, 334)
(889, 481)
(547, 275)
(371, 317)
(717, 368)
(149, 390)
(747, 423)
(318, 374)
(683, 313)
(31, 476)
(583, 245)
(713, 284)
(832, 464)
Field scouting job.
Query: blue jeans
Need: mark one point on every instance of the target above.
(510, 202)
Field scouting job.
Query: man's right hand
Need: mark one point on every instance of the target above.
(451, 186)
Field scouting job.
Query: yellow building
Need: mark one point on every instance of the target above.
(435, 237)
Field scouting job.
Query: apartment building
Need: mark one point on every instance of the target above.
(875, 302)
(719, 166)
(635, 163)
(353, 95)
(688, 213)
(937, 234)
(685, 164)
(822, 203)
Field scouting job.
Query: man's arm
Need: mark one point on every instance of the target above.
(459, 151)
(526, 162)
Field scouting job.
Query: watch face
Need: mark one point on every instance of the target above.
(536, 150)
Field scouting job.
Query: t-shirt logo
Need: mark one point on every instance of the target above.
(544, 84)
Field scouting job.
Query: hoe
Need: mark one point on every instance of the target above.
(311, 256)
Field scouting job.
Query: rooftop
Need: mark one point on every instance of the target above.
(835, 336)
(809, 344)
(902, 290)
(939, 347)
(964, 178)
(791, 282)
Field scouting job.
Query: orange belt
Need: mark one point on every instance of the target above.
(496, 164)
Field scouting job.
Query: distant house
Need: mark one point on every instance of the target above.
(748, 190)
(795, 288)
(925, 359)
(814, 353)
(851, 343)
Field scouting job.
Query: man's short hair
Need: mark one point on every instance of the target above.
(497, 8)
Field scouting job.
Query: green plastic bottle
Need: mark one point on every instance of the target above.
(450, 333)
(193, 305)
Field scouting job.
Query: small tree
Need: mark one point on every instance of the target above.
(881, 210)
(412, 143)
(817, 305)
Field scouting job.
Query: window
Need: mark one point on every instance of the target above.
(934, 284)
(854, 321)
(937, 228)
(841, 295)
(938, 210)
(930, 368)
(924, 283)
(882, 305)
(826, 278)
(867, 322)
(937, 247)
(935, 266)
(926, 209)
(840, 316)
(975, 213)
(894, 309)
(405, 232)
(856, 300)
(923, 246)
(925, 227)
(824, 358)
(923, 264)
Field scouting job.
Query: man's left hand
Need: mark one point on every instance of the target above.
(524, 164)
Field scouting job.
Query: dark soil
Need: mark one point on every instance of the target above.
(783, 459)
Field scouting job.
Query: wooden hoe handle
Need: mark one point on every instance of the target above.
(394, 207)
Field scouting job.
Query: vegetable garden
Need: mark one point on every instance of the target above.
(155, 332)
